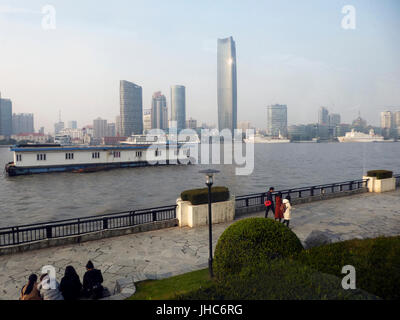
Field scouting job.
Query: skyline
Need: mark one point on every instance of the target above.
(300, 57)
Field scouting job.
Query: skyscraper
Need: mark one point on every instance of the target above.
(147, 120)
(5, 117)
(178, 107)
(277, 120)
(73, 124)
(227, 84)
(22, 123)
(131, 108)
(323, 116)
(99, 128)
(159, 111)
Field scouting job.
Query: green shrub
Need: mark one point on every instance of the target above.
(380, 174)
(376, 261)
(281, 279)
(250, 242)
(200, 196)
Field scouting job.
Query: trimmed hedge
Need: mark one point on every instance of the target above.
(377, 263)
(200, 196)
(380, 174)
(281, 279)
(252, 241)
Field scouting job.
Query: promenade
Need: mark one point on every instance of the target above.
(167, 252)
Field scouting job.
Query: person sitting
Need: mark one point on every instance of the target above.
(30, 291)
(70, 285)
(46, 289)
(92, 281)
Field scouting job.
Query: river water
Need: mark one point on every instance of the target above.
(55, 196)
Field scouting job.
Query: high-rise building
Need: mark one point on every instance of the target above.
(227, 84)
(277, 120)
(387, 120)
(111, 130)
(146, 120)
(5, 117)
(334, 119)
(118, 129)
(99, 128)
(323, 116)
(159, 111)
(191, 124)
(396, 119)
(58, 127)
(22, 123)
(131, 108)
(73, 124)
(178, 107)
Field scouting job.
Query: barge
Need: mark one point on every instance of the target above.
(39, 158)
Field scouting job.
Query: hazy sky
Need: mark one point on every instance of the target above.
(288, 52)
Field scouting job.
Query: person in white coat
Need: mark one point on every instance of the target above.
(287, 214)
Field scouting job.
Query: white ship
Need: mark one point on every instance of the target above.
(44, 158)
(258, 138)
(355, 136)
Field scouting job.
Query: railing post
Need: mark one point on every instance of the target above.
(341, 187)
(17, 234)
(288, 193)
(299, 194)
(312, 191)
(333, 188)
(351, 185)
(131, 218)
(48, 232)
(79, 226)
(105, 223)
(247, 202)
(13, 235)
(154, 216)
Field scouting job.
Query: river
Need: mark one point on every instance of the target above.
(55, 196)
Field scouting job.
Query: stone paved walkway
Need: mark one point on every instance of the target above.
(167, 252)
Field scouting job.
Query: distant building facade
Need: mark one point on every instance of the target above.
(73, 124)
(323, 116)
(159, 111)
(191, 124)
(227, 84)
(131, 109)
(277, 120)
(178, 107)
(5, 117)
(31, 137)
(58, 127)
(99, 128)
(22, 123)
(146, 120)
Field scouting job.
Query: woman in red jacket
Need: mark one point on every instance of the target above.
(278, 207)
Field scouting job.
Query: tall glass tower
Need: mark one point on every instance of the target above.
(178, 107)
(5, 117)
(277, 120)
(159, 111)
(227, 84)
(131, 108)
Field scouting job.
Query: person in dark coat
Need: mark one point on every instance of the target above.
(278, 207)
(70, 285)
(269, 198)
(92, 281)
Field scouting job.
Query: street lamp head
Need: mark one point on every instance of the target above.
(209, 175)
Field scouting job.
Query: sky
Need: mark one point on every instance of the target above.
(288, 52)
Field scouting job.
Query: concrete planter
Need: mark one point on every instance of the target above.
(380, 185)
(195, 216)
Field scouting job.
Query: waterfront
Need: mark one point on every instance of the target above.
(46, 197)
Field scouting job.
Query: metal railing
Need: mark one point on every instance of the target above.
(73, 227)
(259, 198)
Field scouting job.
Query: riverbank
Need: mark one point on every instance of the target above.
(164, 253)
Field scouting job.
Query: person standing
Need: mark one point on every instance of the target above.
(92, 281)
(30, 291)
(270, 199)
(279, 207)
(287, 214)
(70, 285)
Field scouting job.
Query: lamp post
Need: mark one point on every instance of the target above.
(209, 182)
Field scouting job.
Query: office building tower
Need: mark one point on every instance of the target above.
(99, 128)
(334, 119)
(277, 120)
(386, 120)
(22, 123)
(191, 124)
(159, 111)
(58, 127)
(226, 84)
(131, 109)
(178, 107)
(323, 116)
(111, 130)
(5, 117)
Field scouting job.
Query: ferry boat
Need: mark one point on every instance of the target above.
(45, 158)
(355, 136)
(258, 138)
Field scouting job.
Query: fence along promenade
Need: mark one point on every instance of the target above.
(24, 234)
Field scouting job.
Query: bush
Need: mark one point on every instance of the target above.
(281, 279)
(377, 263)
(253, 241)
(200, 196)
(380, 174)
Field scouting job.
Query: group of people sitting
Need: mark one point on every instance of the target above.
(70, 287)
(281, 208)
